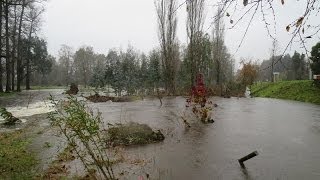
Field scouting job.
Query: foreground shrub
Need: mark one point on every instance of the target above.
(82, 130)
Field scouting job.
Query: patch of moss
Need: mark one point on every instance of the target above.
(132, 134)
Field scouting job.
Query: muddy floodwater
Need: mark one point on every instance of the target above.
(285, 133)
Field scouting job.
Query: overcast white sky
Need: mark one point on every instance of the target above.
(105, 24)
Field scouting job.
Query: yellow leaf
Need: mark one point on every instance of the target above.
(288, 28)
(299, 22)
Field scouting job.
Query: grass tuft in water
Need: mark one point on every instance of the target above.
(132, 134)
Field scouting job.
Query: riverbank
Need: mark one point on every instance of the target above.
(303, 91)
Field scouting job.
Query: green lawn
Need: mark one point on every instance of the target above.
(303, 91)
(16, 162)
(3, 94)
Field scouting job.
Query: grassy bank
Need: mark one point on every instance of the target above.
(47, 87)
(4, 94)
(303, 91)
(16, 162)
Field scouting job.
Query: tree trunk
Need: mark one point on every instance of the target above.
(28, 74)
(8, 88)
(19, 58)
(271, 75)
(28, 60)
(13, 54)
(218, 72)
(1, 88)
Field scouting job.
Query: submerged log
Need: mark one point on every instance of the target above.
(247, 157)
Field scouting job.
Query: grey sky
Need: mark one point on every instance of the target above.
(106, 24)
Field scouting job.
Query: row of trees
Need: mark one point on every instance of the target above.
(25, 56)
(22, 51)
(171, 66)
(295, 67)
(204, 53)
(129, 71)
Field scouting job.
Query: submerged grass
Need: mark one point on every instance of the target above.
(304, 91)
(132, 134)
(48, 87)
(16, 162)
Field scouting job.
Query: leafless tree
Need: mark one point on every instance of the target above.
(195, 20)
(66, 63)
(218, 45)
(167, 26)
(84, 60)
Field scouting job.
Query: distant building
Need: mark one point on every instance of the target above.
(276, 76)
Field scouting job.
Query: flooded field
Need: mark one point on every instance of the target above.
(285, 133)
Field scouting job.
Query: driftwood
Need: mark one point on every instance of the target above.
(247, 157)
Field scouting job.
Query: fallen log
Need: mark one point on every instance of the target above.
(247, 157)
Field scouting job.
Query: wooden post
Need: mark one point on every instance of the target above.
(247, 157)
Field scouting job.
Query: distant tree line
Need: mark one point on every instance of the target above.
(295, 67)
(130, 71)
(171, 66)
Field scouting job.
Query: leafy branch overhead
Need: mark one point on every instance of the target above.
(301, 28)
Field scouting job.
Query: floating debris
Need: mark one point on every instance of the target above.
(247, 157)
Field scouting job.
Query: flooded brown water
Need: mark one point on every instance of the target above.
(285, 133)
